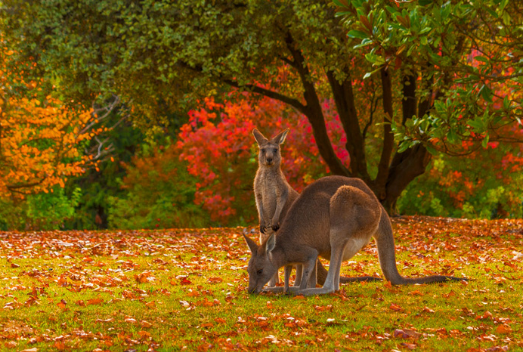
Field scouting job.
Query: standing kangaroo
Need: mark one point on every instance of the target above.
(274, 195)
(333, 218)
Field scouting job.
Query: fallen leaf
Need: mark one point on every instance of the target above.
(427, 310)
(109, 320)
(395, 307)
(185, 281)
(94, 301)
(144, 277)
(62, 304)
(416, 293)
(487, 315)
(450, 294)
(144, 334)
(503, 329)
(215, 280)
(145, 324)
(497, 349)
(409, 346)
(11, 344)
(324, 308)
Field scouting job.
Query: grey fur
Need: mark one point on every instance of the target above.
(274, 196)
(333, 218)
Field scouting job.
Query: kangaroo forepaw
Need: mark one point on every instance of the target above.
(262, 229)
(275, 227)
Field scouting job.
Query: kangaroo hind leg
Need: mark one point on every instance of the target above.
(354, 217)
(334, 269)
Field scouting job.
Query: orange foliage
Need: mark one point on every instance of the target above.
(39, 140)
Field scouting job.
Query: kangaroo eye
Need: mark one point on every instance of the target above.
(275, 150)
(259, 272)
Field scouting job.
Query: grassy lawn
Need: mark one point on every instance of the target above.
(184, 289)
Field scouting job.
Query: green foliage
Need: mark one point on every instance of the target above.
(159, 193)
(467, 55)
(99, 184)
(167, 48)
(463, 58)
(176, 53)
(42, 211)
(475, 187)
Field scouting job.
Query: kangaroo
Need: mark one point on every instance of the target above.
(274, 195)
(333, 218)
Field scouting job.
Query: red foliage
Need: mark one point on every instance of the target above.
(219, 147)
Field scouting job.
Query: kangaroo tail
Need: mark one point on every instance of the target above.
(322, 275)
(385, 242)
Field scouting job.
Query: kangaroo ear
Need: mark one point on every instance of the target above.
(271, 243)
(279, 139)
(252, 245)
(260, 138)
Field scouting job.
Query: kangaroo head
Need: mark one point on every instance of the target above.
(269, 154)
(260, 268)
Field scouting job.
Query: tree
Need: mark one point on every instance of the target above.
(40, 138)
(219, 150)
(154, 52)
(460, 70)
(485, 184)
(159, 193)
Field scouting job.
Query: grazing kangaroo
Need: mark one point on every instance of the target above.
(333, 218)
(274, 195)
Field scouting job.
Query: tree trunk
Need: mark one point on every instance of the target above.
(380, 183)
(314, 112)
(344, 99)
(315, 116)
(411, 163)
(405, 168)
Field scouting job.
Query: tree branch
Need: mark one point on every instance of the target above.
(373, 107)
(314, 111)
(268, 93)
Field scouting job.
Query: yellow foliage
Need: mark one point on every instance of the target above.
(39, 141)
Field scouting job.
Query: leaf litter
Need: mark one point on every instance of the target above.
(185, 289)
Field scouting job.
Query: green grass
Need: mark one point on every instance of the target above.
(184, 289)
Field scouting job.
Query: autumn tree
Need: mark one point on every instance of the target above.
(220, 153)
(41, 139)
(155, 52)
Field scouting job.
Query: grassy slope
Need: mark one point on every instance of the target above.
(185, 289)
